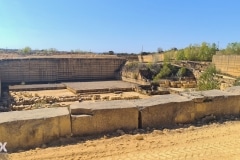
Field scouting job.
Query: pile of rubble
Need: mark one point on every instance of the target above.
(117, 96)
(24, 98)
(178, 84)
(150, 90)
(28, 101)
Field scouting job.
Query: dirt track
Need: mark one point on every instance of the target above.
(215, 141)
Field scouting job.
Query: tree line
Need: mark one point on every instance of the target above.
(196, 52)
(232, 48)
(203, 52)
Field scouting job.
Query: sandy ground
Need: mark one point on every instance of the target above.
(66, 92)
(215, 141)
(55, 93)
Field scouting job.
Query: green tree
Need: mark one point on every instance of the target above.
(111, 52)
(165, 72)
(190, 53)
(206, 80)
(52, 50)
(159, 50)
(169, 55)
(203, 52)
(180, 55)
(26, 50)
(207, 51)
(181, 72)
(233, 48)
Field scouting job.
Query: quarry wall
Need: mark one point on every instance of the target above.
(228, 64)
(151, 58)
(19, 70)
(29, 129)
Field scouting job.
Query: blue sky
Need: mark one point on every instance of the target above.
(118, 25)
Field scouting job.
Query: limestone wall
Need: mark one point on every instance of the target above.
(136, 81)
(165, 111)
(29, 129)
(156, 111)
(170, 110)
(59, 69)
(95, 118)
(227, 64)
(151, 58)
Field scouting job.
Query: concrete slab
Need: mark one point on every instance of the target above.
(160, 99)
(34, 87)
(80, 87)
(78, 107)
(90, 118)
(29, 129)
(210, 95)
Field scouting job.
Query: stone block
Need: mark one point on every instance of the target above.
(29, 129)
(215, 102)
(90, 118)
(165, 110)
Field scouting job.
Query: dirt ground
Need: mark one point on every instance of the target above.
(215, 141)
(66, 92)
(55, 93)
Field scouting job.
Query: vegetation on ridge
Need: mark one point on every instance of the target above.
(232, 48)
(203, 52)
(156, 71)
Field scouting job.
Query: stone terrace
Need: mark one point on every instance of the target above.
(29, 129)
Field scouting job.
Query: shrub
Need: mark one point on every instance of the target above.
(207, 81)
(181, 72)
(165, 72)
(132, 66)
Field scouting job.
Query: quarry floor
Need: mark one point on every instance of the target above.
(214, 141)
(64, 92)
